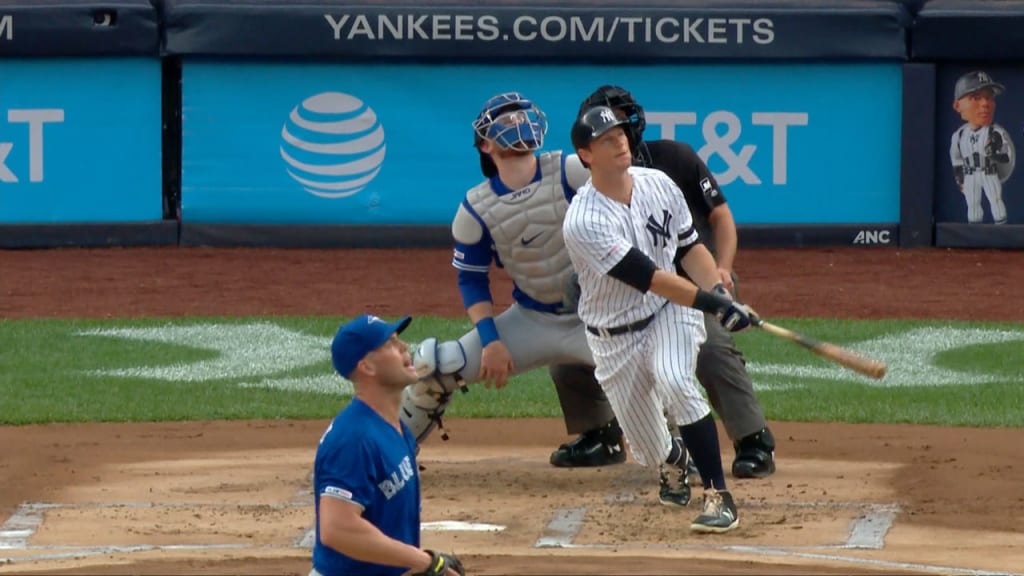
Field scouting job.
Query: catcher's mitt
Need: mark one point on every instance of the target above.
(440, 563)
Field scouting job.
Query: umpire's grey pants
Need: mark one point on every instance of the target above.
(722, 372)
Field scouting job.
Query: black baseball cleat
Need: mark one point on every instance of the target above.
(755, 455)
(692, 474)
(719, 513)
(673, 488)
(598, 447)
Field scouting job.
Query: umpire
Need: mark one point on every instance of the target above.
(721, 368)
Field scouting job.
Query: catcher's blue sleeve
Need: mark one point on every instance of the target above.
(473, 261)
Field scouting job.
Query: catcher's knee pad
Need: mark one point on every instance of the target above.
(424, 402)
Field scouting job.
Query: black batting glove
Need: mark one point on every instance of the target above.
(733, 316)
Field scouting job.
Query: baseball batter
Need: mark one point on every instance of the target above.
(721, 368)
(981, 151)
(625, 231)
(514, 219)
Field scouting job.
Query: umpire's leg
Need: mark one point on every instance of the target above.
(722, 371)
(587, 413)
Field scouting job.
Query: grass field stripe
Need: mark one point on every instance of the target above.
(910, 355)
(241, 350)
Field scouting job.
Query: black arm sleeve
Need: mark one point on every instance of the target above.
(635, 269)
(710, 302)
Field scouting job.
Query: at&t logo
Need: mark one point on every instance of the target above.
(333, 145)
(36, 119)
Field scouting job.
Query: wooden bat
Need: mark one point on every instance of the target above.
(866, 366)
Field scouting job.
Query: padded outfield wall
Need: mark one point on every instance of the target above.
(960, 38)
(327, 124)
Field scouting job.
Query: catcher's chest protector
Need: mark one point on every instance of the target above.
(526, 226)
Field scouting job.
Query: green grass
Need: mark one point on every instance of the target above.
(949, 373)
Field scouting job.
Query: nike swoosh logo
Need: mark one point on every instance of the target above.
(526, 241)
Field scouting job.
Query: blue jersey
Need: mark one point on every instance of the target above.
(362, 459)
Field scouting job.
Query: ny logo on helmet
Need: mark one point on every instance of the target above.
(607, 116)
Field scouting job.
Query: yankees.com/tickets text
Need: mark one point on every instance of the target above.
(554, 28)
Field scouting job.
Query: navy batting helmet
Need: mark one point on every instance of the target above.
(592, 123)
(618, 98)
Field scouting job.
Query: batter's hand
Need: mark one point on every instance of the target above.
(495, 364)
(725, 276)
(737, 317)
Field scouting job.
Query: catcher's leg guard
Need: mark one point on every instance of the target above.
(424, 402)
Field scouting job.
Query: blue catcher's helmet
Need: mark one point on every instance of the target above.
(512, 121)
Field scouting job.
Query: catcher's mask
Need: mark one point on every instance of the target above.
(512, 122)
(619, 99)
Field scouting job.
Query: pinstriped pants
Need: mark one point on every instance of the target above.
(651, 373)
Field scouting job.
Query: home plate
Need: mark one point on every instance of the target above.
(454, 525)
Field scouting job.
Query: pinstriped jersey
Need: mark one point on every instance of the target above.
(600, 231)
(967, 149)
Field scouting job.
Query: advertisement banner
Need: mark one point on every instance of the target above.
(566, 30)
(979, 133)
(80, 141)
(392, 144)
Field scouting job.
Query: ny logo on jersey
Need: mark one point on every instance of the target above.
(659, 232)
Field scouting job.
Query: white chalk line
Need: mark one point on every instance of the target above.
(867, 532)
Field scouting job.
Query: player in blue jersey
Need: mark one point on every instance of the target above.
(365, 481)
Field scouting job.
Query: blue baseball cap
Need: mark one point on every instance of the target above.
(359, 337)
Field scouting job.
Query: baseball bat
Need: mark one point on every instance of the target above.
(867, 366)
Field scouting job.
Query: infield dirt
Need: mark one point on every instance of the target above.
(233, 497)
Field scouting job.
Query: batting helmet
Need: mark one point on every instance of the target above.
(618, 98)
(592, 123)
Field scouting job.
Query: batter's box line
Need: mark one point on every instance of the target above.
(567, 522)
(28, 517)
(56, 552)
(867, 532)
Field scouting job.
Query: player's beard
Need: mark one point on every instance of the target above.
(508, 154)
